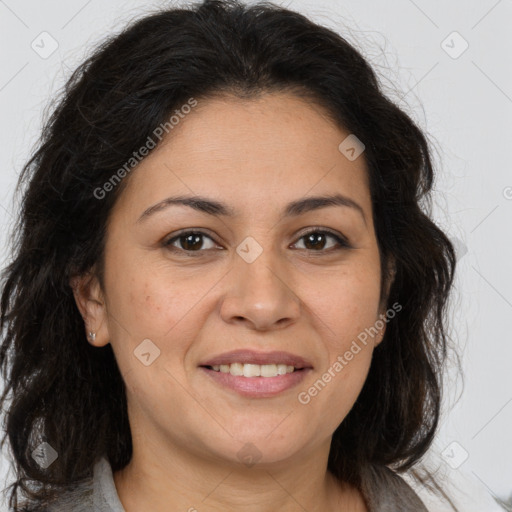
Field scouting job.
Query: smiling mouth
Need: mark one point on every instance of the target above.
(254, 370)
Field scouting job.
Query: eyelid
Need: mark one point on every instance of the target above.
(188, 231)
(342, 241)
(321, 229)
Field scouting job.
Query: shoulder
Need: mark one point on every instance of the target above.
(94, 494)
(386, 491)
(76, 499)
(451, 490)
(97, 494)
(79, 499)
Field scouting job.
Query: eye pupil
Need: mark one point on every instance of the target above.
(314, 239)
(192, 241)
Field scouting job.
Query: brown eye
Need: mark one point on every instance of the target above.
(317, 240)
(192, 241)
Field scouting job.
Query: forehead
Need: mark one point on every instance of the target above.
(276, 146)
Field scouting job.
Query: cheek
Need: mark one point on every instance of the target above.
(155, 303)
(347, 303)
(144, 301)
(347, 311)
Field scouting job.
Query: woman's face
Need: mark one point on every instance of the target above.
(254, 281)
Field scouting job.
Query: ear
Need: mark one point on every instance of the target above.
(91, 304)
(391, 272)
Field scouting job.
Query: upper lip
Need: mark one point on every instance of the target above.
(254, 357)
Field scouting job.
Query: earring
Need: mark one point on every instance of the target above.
(92, 336)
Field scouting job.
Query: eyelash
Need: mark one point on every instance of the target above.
(342, 242)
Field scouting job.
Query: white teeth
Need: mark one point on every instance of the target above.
(281, 369)
(236, 369)
(254, 370)
(268, 370)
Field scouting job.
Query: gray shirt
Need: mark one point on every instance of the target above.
(383, 489)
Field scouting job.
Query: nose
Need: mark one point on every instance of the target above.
(260, 294)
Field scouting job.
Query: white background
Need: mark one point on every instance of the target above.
(465, 104)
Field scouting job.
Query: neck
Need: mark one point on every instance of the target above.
(195, 483)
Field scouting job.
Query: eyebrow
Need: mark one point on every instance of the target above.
(216, 208)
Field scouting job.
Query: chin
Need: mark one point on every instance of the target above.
(261, 447)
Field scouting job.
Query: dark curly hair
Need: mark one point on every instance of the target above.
(70, 394)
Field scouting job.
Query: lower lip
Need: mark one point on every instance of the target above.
(258, 387)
